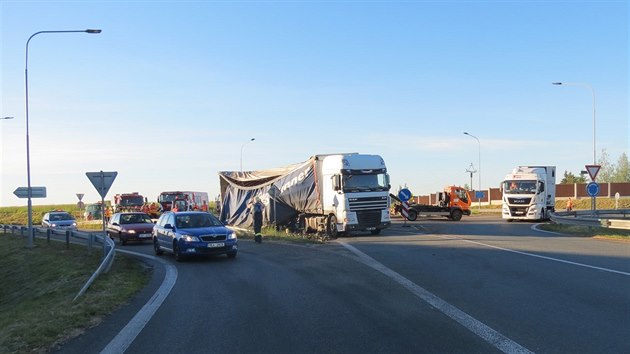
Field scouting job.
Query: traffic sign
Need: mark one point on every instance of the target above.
(36, 192)
(404, 195)
(80, 196)
(592, 189)
(102, 181)
(593, 170)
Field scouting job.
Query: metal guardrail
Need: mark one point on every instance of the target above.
(109, 247)
(609, 218)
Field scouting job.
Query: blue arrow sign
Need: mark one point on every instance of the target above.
(592, 189)
(404, 195)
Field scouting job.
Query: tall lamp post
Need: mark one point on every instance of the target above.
(242, 146)
(588, 86)
(478, 164)
(28, 158)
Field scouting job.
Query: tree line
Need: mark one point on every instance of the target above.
(609, 172)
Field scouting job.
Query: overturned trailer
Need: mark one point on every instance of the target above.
(333, 193)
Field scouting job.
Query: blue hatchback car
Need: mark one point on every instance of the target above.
(190, 233)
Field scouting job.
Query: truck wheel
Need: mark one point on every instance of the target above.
(412, 215)
(331, 227)
(456, 215)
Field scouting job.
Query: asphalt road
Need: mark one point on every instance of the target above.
(478, 285)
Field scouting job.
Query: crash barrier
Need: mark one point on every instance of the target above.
(91, 239)
(610, 218)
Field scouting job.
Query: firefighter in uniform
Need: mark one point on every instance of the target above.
(256, 209)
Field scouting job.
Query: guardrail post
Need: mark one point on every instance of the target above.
(68, 239)
(21, 231)
(90, 242)
(48, 233)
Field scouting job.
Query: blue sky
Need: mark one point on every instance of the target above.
(169, 92)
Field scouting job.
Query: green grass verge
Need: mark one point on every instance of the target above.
(585, 231)
(39, 283)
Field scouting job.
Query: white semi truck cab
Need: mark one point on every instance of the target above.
(529, 193)
(354, 192)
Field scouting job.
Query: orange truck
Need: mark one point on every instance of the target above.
(453, 202)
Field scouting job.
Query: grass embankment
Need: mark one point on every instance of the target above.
(39, 284)
(585, 231)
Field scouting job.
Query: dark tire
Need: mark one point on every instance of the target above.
(456, 215)
(412, 215)
(509, 220)
(177, 252)
(156, 247)
(331, 227)
(231, 255)
(375, 232)
(122, 240)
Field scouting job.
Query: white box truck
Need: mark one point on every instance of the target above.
(529, 193)
(332, 194)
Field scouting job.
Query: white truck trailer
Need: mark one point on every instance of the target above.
(332, 194)
(529, 193)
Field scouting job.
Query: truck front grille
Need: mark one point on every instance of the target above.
(368, 203)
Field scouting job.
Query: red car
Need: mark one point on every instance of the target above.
(130, 226)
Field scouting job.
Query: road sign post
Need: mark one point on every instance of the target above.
(36, 192)
(102, 181)
(593, 170)
(404, 195)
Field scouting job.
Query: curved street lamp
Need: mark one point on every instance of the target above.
(478, 164)
(28, 159)
(242, 146)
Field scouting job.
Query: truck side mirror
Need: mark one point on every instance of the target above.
(336, 182)
(542, 186)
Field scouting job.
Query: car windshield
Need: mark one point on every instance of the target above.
(60, 217)
(135, 219)
(190, 221)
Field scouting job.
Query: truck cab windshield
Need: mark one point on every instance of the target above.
(519, 187)
(365, 182)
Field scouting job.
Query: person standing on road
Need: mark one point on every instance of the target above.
(256, 209)
(108, 213)
(569, 205)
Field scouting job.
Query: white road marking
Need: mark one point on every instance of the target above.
(532, 254)
(488, 334)
(126, 336)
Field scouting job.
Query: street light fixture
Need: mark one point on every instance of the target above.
(593, 93)
(582, 84)
(478, 164)
(28, 159)
(6, 118)
(242, 146)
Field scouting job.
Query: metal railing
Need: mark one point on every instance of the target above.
(609, 218)
(91, 239)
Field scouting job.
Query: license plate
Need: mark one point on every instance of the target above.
(145, 235)
(216, 244)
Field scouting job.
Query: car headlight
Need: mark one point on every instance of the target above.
(190, 238)
(231, 235)
(130, 231)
